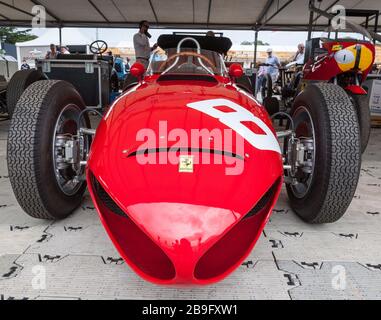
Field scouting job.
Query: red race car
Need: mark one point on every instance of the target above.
(186, 166)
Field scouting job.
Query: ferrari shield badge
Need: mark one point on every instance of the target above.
(186, 163)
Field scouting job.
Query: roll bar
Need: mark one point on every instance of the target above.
(179, 51)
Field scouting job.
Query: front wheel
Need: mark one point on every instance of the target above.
(20, 81)
(271, 105)
(327, 173)
(130, 82)
(363, 113)
(43, 150)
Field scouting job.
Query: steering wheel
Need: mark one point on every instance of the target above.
(98, 47)
(267, 65)
(187, 54)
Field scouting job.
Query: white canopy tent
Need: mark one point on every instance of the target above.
(8, 66)
(69, 37)
(256, 15)
(37, 48)
(186, 14)
(236, 47)
(124, 44)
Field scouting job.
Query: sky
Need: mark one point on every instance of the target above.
(113, 36)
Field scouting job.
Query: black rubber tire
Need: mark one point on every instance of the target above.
(267, 87)
(361, 103)
(114, 82)
(30, 159)
(244, 83)
(271, 105)
(17, 85)
(130, 82)
(338, 154)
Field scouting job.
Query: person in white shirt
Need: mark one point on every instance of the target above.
(274, 64)
(271, 67)
(141, 44)
(299, 56)
(64, 50)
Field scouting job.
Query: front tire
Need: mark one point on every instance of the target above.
(361, 103)
(20, 81)
(325, 113)
(45, 109)
(130, 82)
(271, 105)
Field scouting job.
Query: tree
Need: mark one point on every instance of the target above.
(12, 35)
(248, 43)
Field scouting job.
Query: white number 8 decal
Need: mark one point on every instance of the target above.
(233, 120)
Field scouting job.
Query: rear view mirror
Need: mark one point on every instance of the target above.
(236, 70)
(137, 70)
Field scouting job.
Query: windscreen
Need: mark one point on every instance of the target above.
(187, 61)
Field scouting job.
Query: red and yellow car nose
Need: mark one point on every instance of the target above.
(357, 56)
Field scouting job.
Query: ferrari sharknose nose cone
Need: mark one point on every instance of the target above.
(183, 231)
(171, 226)
(177, 243)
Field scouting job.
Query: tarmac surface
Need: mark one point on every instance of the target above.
(74, 258)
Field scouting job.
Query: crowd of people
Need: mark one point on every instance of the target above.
(51, 54)
(54, 51)
(272, 64)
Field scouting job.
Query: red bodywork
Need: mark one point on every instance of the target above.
(340, 59)
(176, 227)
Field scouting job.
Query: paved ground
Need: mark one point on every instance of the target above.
(292, 260)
